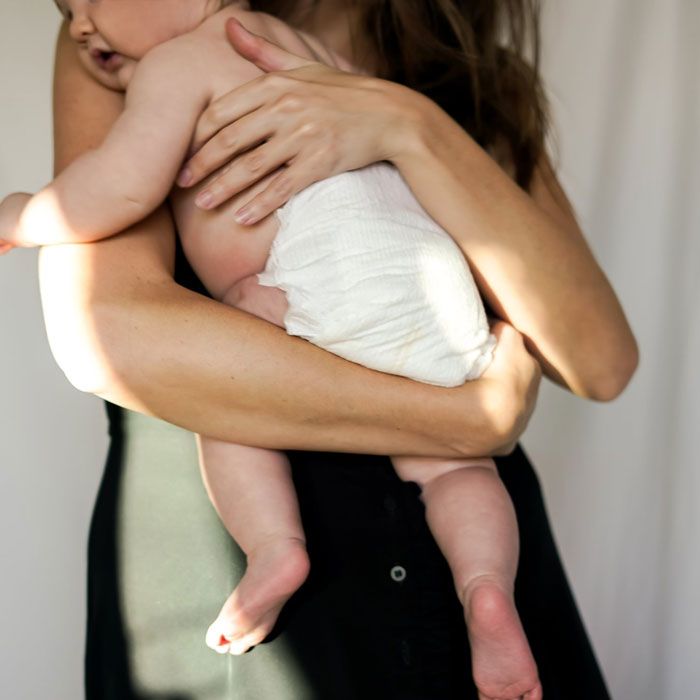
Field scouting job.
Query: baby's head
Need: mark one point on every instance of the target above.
(113, 35)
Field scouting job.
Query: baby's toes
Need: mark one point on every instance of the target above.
(217, 638)
(241, 646)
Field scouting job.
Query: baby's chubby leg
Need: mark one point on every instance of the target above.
(252, 490)
(472, 519)
(269, 303)
(469, 513)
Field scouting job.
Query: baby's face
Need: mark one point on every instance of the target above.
(112, 35)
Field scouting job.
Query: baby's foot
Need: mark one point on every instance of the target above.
(275, 571)
(502, 663)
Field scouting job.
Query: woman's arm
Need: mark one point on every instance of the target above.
(120, 327)
(528, 253)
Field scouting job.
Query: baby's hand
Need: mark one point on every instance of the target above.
(10, 211)
(5, 246)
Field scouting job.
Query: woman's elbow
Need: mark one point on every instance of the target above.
(81, 347)
(89, 379)
(84, 363)
(616, 372)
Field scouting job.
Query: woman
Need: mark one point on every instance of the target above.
(382, 619)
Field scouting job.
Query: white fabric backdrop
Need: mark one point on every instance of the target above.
(52, 438)
(620, 478)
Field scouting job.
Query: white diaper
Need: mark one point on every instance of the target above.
(370, 276)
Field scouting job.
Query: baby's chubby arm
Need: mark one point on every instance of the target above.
(112, 187)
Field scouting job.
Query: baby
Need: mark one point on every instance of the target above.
(352, 263)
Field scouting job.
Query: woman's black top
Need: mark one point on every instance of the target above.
(377, 618)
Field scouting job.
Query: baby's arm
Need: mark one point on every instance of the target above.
(118, 184)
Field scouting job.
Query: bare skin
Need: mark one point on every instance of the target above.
(250, 487)
(161, 224)
(529, 254)
(468, 511)
(106, 290)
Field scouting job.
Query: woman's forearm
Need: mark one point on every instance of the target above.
(121, 328)
(527, 252)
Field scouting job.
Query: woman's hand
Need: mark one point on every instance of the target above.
(305, 118)
(512, 382)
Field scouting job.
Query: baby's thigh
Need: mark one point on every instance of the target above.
(269, 303)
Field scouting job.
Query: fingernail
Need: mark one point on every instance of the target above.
(184, 178)
(243, 216)
(204, 200)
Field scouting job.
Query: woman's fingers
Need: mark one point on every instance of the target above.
(317, 110)
(258, 50)
(517, 375)
(245, 171)
(511, 357)
(234, 105)
(258, 91)
(288, 181)
(307, 165)
(259, 103)
(234, 138)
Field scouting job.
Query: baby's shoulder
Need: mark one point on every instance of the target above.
(204, 59)
(201, 58)
(274, 29)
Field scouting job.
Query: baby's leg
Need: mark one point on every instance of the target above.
(472, 519)
(269, 303)
(252, 490)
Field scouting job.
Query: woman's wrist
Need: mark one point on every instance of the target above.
(406, 123)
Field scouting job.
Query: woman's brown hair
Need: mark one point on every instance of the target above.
(477, 59)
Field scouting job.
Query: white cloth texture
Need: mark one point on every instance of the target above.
(371, 277)
(622, 479)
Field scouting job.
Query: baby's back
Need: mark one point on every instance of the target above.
(221, 251)
(367, 273)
